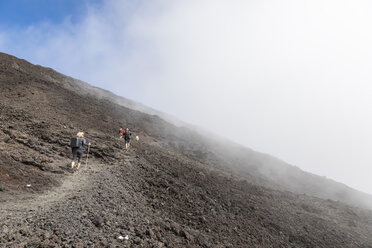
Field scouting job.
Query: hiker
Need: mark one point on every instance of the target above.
(121, 133)
(127, 135)
(77, 145)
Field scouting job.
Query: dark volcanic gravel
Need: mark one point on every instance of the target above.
(166, 191)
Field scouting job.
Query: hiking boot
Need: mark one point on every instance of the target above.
(72, 164)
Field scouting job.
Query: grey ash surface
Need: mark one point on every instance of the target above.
(171, 189)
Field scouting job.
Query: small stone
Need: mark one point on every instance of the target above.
(138, 241)
(138, 233)
(186, 235)
(150, 233)
(202, 219)
(98, 221)
(175, 228)
(79, 245)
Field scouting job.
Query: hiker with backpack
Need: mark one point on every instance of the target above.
(127, 135)
(77, 145)
(121, 133)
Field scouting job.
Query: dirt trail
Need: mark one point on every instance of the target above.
(56, 216)
(77, 180)
(173, 188)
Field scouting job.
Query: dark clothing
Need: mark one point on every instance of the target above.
(127, 135)
(83, 143)
(77, 152)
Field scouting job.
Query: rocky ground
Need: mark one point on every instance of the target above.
(168, 190)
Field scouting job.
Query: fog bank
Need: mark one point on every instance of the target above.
(288, 78)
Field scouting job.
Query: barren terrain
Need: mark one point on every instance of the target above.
(173, 188)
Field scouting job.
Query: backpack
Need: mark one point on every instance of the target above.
(75, 142)
(127, 134)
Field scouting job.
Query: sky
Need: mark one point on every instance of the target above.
(290, 78)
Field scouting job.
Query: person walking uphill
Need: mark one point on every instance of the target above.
(121, 133)
(127, 135)
(77, 145)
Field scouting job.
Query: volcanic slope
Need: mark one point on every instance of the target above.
(173, 188)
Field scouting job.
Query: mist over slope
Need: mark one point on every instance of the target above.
(267, 170)
(173, 188)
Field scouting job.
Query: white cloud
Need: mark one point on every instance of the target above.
(290, 78)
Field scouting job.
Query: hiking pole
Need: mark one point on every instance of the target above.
(86, 161)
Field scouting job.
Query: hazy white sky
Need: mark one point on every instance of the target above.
(288, 78)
